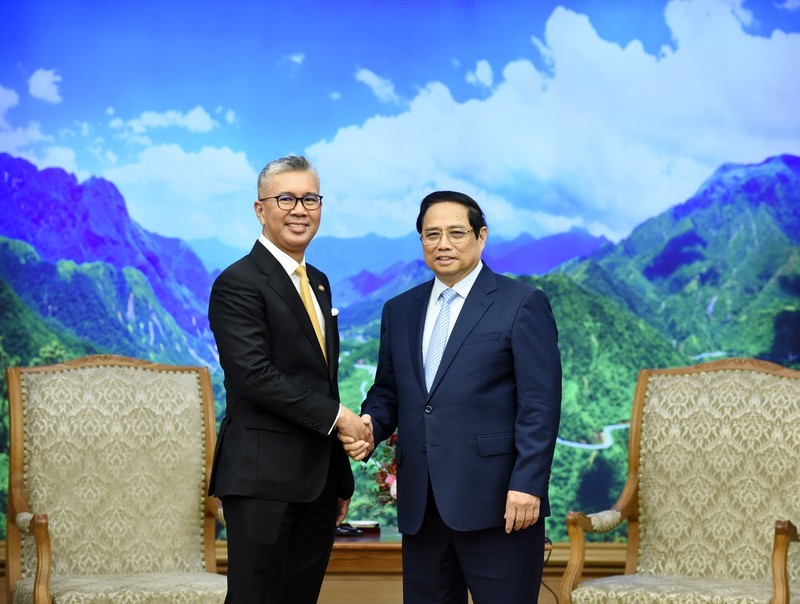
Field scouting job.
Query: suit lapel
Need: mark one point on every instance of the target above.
(323, 295)
(416, 325)
(475, 306)
(281, 284)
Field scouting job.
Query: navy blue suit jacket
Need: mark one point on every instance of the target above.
(490, 422)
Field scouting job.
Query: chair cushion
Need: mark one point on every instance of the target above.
(151, 588)
(650, 589)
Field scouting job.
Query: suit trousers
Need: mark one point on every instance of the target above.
(441, 564)
(278, 551)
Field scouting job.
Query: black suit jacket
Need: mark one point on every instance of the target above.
(282, 397)
(490, 421)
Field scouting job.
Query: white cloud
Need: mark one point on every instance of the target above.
(60, 157)
(382, 88)
(194, 120)
(335, 95)
(191, 194)
(18, 140)
(482, 76)
(43, 85)
(297, 58)
(788, 5)
(605, 137)
(8, 99)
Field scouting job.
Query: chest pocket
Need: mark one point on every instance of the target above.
(477, 338)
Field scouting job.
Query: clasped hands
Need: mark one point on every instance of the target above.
(356, 434)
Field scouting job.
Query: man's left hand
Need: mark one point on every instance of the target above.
(341, 514)
(522, 510)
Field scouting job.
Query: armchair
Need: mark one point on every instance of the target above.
(712, 493)
(108, 467)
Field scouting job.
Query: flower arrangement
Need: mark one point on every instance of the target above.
(386, 475)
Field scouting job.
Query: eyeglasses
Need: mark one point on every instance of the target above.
(289, 202)
(453, 236)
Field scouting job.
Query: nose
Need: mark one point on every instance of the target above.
(299, 210)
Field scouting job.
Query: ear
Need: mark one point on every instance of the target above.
(258, 207)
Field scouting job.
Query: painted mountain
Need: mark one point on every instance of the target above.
(91, 270)
(718, 274)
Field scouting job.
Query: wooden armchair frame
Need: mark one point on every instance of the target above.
(627, 506)
(21, 522)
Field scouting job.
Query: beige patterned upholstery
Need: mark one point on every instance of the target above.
(714, 464)
(108, 470)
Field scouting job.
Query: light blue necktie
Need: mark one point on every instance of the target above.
(438, 337)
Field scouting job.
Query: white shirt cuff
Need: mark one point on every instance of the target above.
(338, 413)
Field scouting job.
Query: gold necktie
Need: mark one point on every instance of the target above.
(305, 295)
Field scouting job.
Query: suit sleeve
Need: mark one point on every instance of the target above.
(239, 319)
(537, 370)
(381, 401)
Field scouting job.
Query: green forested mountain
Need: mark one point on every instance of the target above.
(110, 309)
(719, 274)
(603, 347)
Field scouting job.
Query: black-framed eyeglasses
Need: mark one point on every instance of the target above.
(453, 236)
(289, 202)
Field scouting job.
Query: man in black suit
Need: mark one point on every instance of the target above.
(283, 478)
(469, 373)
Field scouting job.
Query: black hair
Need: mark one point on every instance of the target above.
(474, 213)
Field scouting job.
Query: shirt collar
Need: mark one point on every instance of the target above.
(288, 263)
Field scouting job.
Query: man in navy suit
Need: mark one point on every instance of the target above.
(283, 478)
(475, 447)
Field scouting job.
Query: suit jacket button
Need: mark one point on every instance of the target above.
(424, 449)
(428, 409)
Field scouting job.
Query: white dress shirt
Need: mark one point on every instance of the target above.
(290, 265)
(462, 288)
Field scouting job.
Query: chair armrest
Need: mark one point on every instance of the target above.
(599, 522)
(36, 525)
(23, 522)
(785, 532)
(579, 523)
(44, 559)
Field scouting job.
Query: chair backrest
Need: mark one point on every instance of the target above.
(116, 452)
(719, 463)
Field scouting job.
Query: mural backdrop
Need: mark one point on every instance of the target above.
(638, 161)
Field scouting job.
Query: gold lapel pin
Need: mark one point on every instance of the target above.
(321, 288)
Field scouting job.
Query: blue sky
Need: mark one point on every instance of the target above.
(590, 113)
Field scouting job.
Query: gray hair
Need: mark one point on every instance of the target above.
(290, 163)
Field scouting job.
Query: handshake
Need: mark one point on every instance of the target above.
(355, 433)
